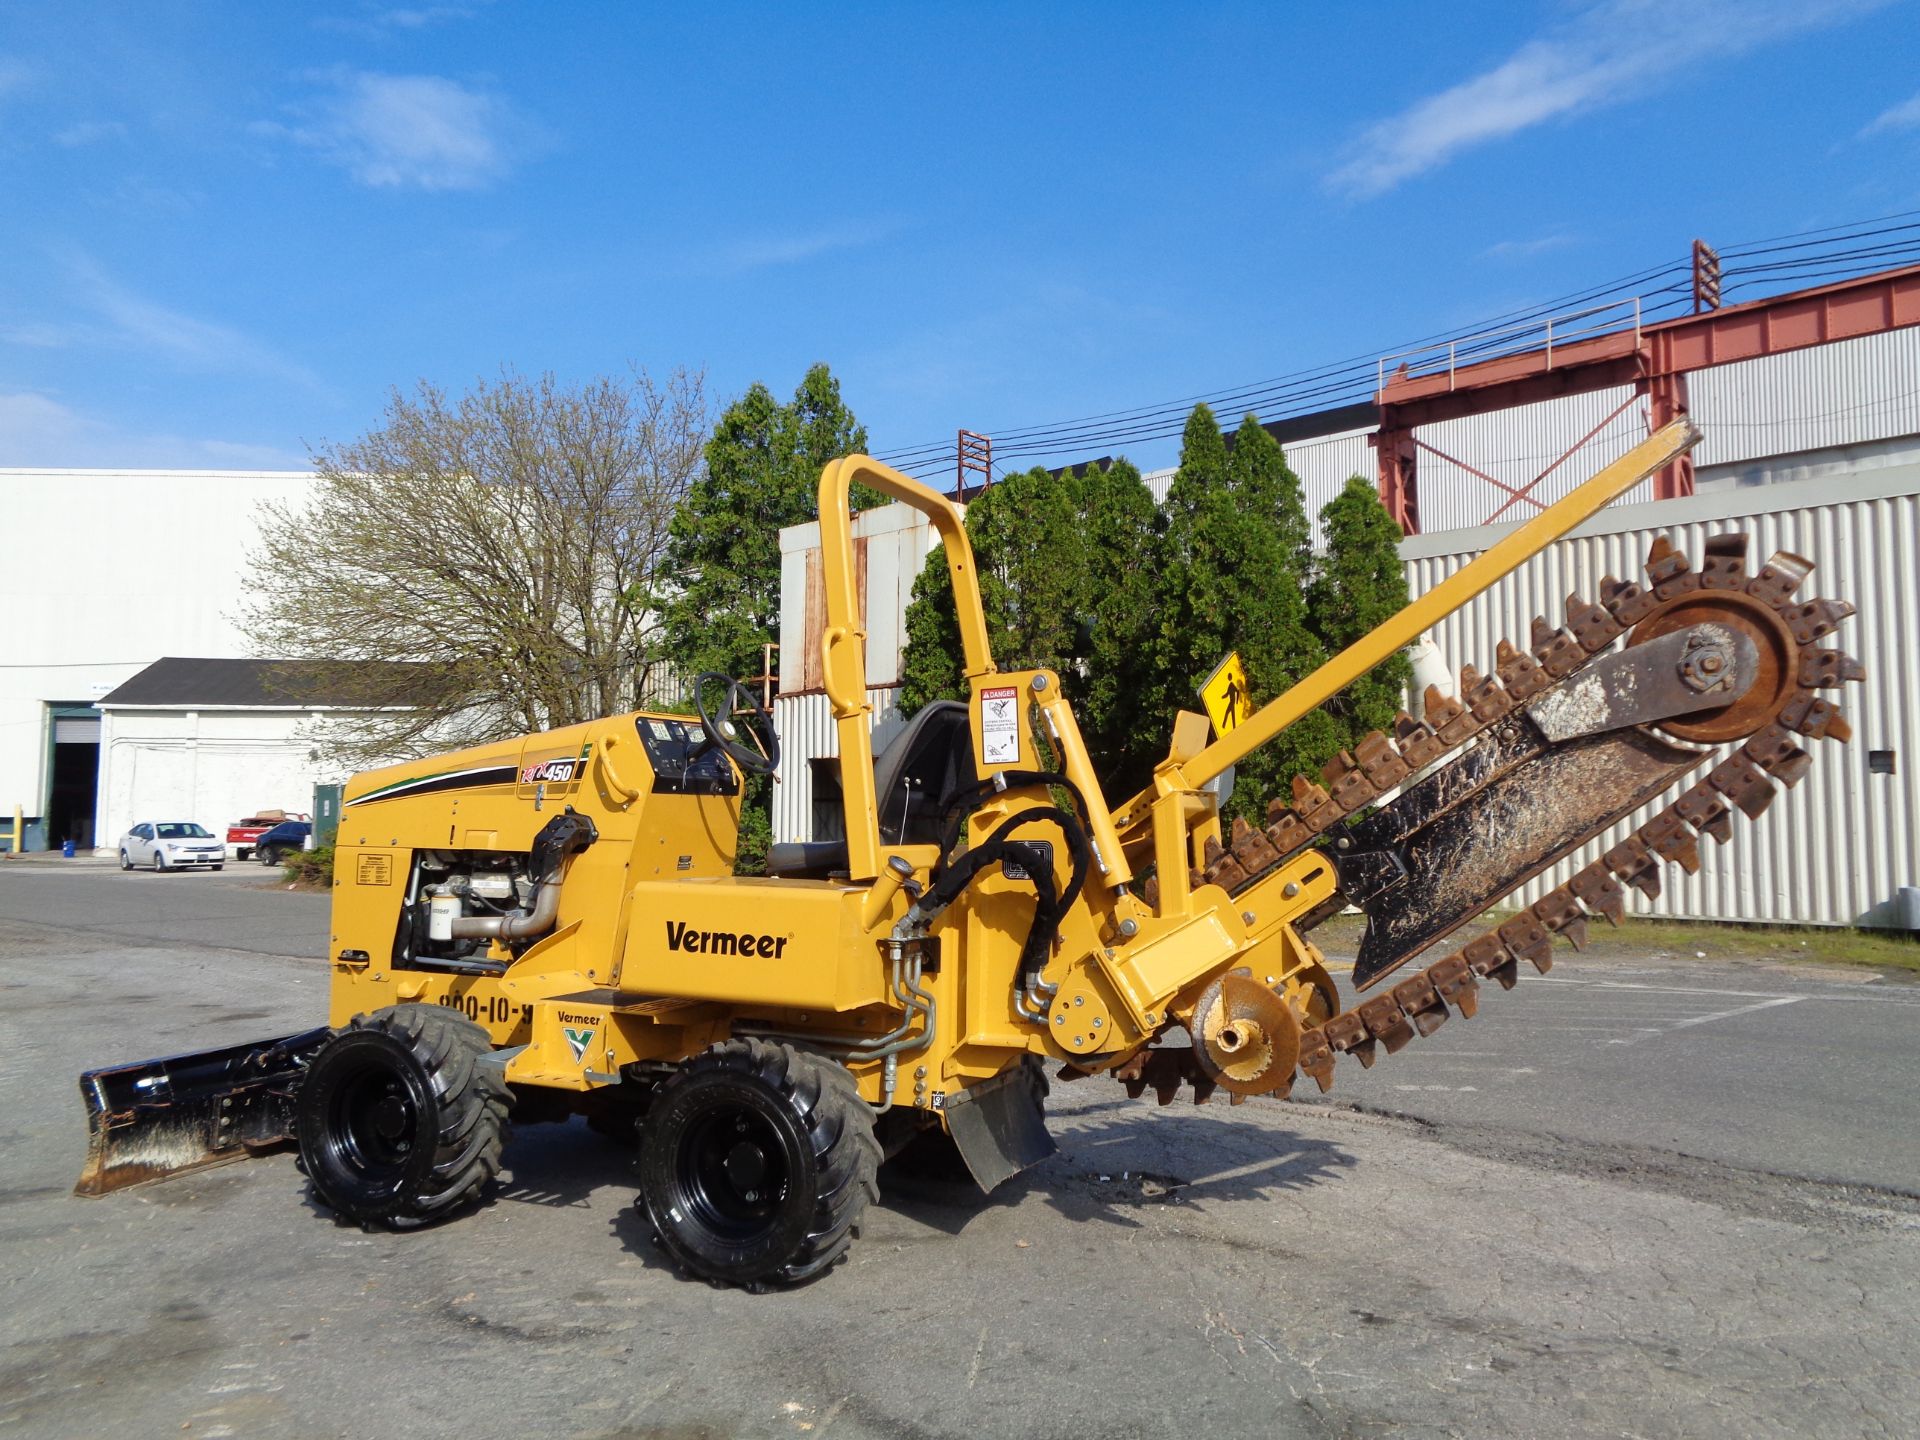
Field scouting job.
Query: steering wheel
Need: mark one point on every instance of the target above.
(742, 727)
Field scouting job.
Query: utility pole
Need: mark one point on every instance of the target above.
(972, 451)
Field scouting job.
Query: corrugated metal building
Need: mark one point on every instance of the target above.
(1816, 452)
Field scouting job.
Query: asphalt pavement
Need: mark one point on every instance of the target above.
(1651, 1198)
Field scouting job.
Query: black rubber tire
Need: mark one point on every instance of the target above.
(932, 1155)
(216, 867)
(399, 1124)
(126, 863)
(267, 856)
(756, 1163)
(159, 861)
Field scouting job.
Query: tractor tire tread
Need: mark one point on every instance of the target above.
(471, 1129)
(825, 1100)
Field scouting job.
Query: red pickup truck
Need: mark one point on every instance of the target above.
(242, 833)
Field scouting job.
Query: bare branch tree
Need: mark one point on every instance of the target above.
(510, 544)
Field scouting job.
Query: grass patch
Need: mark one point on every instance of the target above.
(1713, 940)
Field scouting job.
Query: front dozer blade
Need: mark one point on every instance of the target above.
(1448, 848)
(160, 1117)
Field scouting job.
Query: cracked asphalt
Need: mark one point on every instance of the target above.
(1652, 1198)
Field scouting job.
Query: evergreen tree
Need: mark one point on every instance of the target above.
(763, 473)
(1280, 647)
(1358, 583)
(1064, 566)
(1124, 737)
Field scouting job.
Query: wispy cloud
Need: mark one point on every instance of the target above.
(1609, 53)
(108, 315)
(89, 132)
(422, 132)
(36, 429)
(14, 75)
(1526, 249)
(795, 247)
(379, 21)
(1904, 116)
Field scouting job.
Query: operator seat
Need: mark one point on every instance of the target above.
(914, 780)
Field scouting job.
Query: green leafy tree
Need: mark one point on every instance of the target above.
(1358, 583)
(1124, 735)
(1030, 555)
(1230, 580)
(1065, 578)
(763, 473)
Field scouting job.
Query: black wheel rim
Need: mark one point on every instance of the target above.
(730, 1173)
(373, 1125)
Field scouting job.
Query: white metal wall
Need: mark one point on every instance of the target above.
(1841, 844)
(806, 729)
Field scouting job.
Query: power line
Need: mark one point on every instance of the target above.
(1663, 291)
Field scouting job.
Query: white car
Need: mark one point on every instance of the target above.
(171, 845)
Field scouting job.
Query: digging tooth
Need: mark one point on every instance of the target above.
(1415, 740)
(1520, 673)
(1629, 603)
(1346, 782)
(1419, 1000)
(1826, 668)
(1559, 653)
(1783, 574)
(1381, 761)
(1439, 708)
(1347, 1032)
(1817, 719)
(1387, 1023)
(1592, 625)
(1635, 864)
(1489, 958)
(1289, 833)
(1667, 572)
(1487, 700)
(1560, 913)
(1313, 805)
(1703, 809)
(1316, 1058)
(1600, 892)
(1525, 937)
(1810, 621)
(1669, 838)
(1539, 634)
(1790, 769)
(1252, 849)
(1743, 782)
(1726, 564)
(1453, 978)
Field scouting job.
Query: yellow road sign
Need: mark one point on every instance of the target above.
(1225, 694)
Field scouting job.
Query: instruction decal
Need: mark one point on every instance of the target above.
(1000, 725)
(579, 1037)
(373, 870)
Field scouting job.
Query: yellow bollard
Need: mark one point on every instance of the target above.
(19, 824)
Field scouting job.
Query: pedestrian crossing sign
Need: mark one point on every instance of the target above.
(1225, 694)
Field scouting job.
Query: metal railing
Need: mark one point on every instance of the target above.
(1530, 337)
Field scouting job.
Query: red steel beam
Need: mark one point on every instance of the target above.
(1845, 310)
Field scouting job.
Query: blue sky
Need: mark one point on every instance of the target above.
(229, 229)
